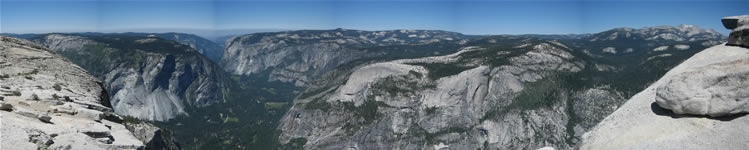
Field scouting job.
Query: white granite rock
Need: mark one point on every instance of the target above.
(90, 114)
(717, 89)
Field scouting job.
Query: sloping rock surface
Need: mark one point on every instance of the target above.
(642, 124)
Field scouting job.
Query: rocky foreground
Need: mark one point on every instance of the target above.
(46, 102)
(700, 104)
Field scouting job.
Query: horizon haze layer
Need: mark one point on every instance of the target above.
(214, 18)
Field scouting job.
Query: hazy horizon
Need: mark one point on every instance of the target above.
(214, 18)
(210, 34)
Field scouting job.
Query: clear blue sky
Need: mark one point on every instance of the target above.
(469, 17)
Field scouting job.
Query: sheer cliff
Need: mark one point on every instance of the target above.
(147, 77)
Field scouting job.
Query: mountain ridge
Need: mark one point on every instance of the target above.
(311, 52)
(406, 99)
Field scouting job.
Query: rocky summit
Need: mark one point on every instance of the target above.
(47, 102)
(700, 104)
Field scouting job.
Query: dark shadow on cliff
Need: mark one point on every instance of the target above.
(658, 110)
(736, 45)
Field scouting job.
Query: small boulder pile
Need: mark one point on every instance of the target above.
(740, 26)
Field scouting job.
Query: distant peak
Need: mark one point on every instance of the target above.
(687, 26)
(623, 29)
(680, 27)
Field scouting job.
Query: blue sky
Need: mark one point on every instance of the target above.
(469, 17)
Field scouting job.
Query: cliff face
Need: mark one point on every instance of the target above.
(700, 104)
(47, 102)
(499, 92)
(147, 77)
(464, 101)
(297, 56)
